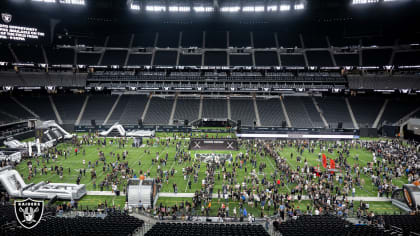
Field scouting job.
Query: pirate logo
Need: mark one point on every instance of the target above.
(6, 17)
(29, 212)
(197, 145)
(229, 145)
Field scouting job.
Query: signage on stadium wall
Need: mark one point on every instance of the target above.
(216, 89)
(17, 32)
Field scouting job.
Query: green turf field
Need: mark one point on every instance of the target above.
(72, 164)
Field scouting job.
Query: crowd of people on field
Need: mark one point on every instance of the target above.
(261, 177)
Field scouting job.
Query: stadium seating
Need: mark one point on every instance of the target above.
(144, 39)
(264, 58)
(312, 112)
(114, 223)
(159, 111)
(376, 57)
(92, 41)
(60, 56)
(189, 60)
(97, 109)
(192, 39)
(270, 111)
(315, 40)
(13, 109)
(160, 229)
(215, 58)
(119, 40)
(69, 106)
(214, 108)
(165, 58)
(132, 111)
(383, 82)
(241, 60)
(405, 58)
(139, 59)
(216, 39)
(243, 109)
(347, 59)
(40, 105)
(365, 109)
(114, 57)
(168, 39)
(319, 58)
(288, 39)
(335, 110)
(394, 111)
(324, 225)
(28, 53)
(264, 39)
(292, 60)
(406, 223)
(239, 39)
(298, 115)
(187, 109)
(88, 58)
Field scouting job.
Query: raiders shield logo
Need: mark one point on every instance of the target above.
(7, 18)
(29, 212)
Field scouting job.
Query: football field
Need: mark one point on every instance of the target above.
(140, 159)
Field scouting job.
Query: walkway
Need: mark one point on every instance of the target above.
(191, 195)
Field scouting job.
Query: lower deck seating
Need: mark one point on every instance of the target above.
(159, 111)
(407, 223)
(243, 109)
(365, 109)
(187, 109)
(97, 109)
(214, 108)
(130, 109)
(69, 106)
(296, 110)
(324, 225)
(270, 111)
(163, 229)
(40, 105)
(394, 110)
(335, 110)
(115, 223)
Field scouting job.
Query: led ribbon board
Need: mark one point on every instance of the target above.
(17, 32)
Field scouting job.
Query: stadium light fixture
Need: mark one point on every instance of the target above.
(155, 8)
(360, 2)
(46, 1)
(135, 7)
(284, 7)
(179, 9)
(271, 8)
(299, 6)
(73, 2)
(203, 9)
(230, 9)
(253, 9)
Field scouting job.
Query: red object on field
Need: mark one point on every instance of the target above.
(324, 160)
(332, 165)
